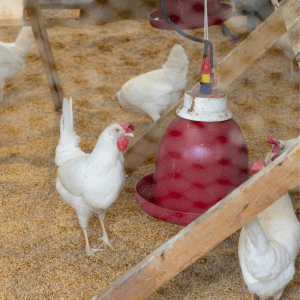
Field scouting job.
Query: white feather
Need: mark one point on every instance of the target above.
(12, 55)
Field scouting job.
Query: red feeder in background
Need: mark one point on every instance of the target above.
(189, 14)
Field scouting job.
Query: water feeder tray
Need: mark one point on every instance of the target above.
(146, 201)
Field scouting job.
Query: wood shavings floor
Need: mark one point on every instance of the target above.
(42, 249)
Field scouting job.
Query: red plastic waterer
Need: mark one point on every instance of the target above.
(201, 158)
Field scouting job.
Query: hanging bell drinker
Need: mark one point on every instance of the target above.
(213, 80)
(202, 157)
(206, 70)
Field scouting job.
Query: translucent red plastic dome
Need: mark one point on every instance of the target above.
(189, 14)
(201, 158)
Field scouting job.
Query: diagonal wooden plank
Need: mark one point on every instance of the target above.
(258, 42)
(43, 44)
(146, 146)
(294, 34)
(234, 64)
(219, 222)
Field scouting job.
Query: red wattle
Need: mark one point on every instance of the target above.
(273, 158)
(122, 143)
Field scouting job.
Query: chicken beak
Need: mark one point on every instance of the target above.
(129, 134)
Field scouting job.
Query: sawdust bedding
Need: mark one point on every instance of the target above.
(42, 245)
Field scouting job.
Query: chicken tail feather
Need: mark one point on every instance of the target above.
(68, 144)
(264, 259)
(24, 42)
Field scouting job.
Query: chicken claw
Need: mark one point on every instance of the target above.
(89, 250)
(105, 237)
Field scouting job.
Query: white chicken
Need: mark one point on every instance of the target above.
(12, 56)
(153, 93)
(269, 243)
(90, 183)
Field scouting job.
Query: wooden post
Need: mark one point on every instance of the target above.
(43, 44)
(234, 64)
(202, 235)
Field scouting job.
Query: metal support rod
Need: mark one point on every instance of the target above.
(207, 43)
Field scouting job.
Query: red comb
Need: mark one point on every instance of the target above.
(271, 140)
(127, 127)
(257, 166)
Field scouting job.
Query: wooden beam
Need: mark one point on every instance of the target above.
(146, 146)
(49, 22)
(290, 11)
(294, 34)
(234, 64)
(210, 229)
(43, 44)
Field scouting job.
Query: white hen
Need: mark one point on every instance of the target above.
(12, 56)
(153, 93)
(269, 243)
(90, 183)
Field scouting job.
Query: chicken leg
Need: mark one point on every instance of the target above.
(105, 236)
(89, 250)
(252, 296)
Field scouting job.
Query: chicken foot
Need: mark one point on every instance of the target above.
(89, 250)
(1, 95)
(105, 236)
